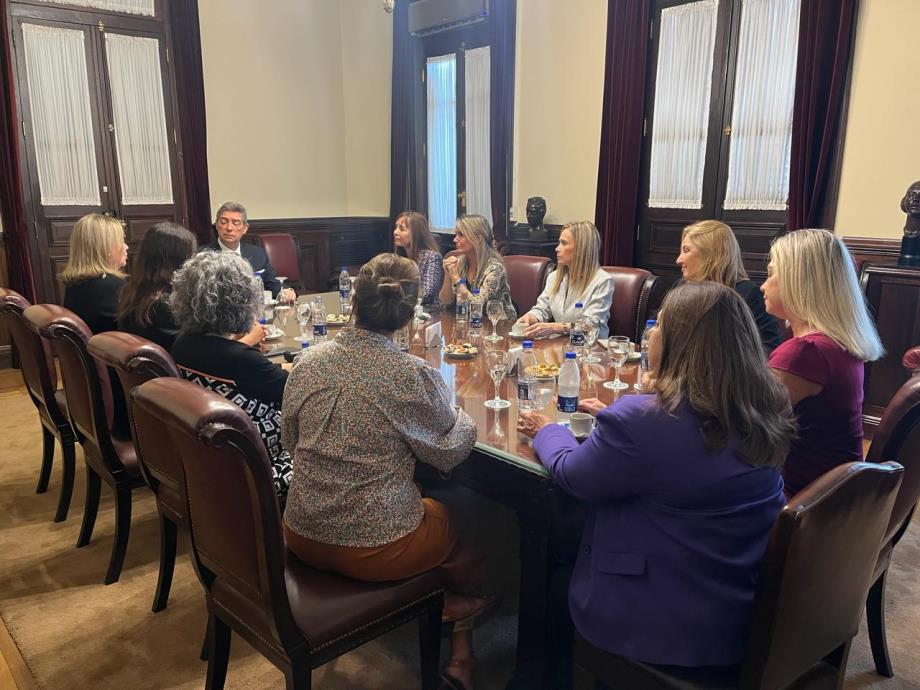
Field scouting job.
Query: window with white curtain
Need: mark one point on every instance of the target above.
(761, 124)
(143, 7)
(441, 78)
(62, 127)
(478, 116)
(683, 83)
(141, 140)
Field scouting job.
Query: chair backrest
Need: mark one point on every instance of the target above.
(232, 507)
(36, 361)
(283, 254)
(635, 291)
(898, 438)
(526, 278)
(817, 570)
(86, 382)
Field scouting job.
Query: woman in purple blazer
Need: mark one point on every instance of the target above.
(682, 487)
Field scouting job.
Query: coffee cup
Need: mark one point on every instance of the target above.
(518, 328)
(581, 423)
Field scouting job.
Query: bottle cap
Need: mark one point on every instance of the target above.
(304, 345)
(579, 305)
(527, 344)
(262, 322)
(345, 268)
(650, 322)
(571, 355)
(475, 291)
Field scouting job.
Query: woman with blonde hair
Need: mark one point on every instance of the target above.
(413, 237)
(93, 275)
(578, 279)
(812, 285)
(709, 251)
(478, 266)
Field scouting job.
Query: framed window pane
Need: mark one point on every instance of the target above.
(478, 162)
(441, 79)
(143, 7)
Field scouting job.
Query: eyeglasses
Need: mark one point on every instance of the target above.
(235, 223)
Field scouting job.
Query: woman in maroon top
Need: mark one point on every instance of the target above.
(812, 284)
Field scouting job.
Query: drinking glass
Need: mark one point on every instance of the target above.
(281, 280)
(495, 310)
(589, 328)
(618, 346)
(304, 315)
(544, 390)
(497, 363)
(282, 313)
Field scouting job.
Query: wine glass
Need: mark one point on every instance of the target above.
(282, 312)
(304, 315)
(495, 310)
(589, 328)
(281, 280)
(618, 346)
(497, 364)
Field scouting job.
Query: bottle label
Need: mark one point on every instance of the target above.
(567, 404)
(319, 330)
(343, 293)
(577, 339)
(524, 392)
(476, 321)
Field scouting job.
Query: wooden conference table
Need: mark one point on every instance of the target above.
(503, 466)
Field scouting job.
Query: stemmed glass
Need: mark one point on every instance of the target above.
(282, 312)
(495, 310)
(497, 363)
(589, 328)
(618, 346)
(280, 280)
(304, 315)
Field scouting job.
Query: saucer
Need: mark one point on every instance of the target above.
(275, 334)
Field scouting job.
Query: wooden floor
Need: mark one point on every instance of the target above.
(10, 383)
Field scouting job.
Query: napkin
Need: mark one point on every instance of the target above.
(433, 335)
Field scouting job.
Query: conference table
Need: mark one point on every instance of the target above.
(502, 466)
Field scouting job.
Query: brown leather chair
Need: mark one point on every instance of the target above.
(526, 278)
(36, 363)
(283, 255)
(90, 409)
(897, 438)
(810, 593)
(635, 292)
(136, 360)
(297, 617)
(911, 360)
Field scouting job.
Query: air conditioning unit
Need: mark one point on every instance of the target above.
(434, 16)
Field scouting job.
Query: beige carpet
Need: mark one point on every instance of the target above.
(74, 632)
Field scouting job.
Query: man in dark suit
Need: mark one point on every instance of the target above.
(232, 223)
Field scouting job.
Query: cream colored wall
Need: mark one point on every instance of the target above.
(559, 89)
(297, 113)
(882, 152)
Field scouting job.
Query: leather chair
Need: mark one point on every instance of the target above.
(911, 360)
(136, 360)
(297, 617)
(36, 363)
(283, 255)
(897, 438)
(635, 292)
(90, 409)
(526, 278)
(812, 585)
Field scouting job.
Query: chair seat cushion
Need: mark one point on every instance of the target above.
(327, 606)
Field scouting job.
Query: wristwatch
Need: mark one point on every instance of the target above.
(566, 329)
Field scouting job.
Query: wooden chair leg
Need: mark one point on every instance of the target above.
(122, 531)
(91, 507)
(68, 456)
(875, 622)
(206, 642)
(47, 460)
(298, 678)
(218, 653)
(168, 532)
(838, 659)
(429, 644)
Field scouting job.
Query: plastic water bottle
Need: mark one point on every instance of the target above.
(569, 383)
(319, 321)
(526, 379)
(643, 349)
(462, 308)
(344, 288)
(577, 335)
(475, 310)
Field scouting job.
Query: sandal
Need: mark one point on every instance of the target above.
(486, 606)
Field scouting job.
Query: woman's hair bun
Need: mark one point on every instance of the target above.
(390, 290)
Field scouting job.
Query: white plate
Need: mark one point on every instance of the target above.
(276, 334)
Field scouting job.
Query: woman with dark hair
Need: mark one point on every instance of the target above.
(143, 308)
(413, 237)
(681, 486)
(358, 414)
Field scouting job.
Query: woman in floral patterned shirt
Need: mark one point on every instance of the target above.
(357, 415)
(412, 235)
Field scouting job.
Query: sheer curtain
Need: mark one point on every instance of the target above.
(62, 125)
(441, 78)
(683, 83)
(478, 172)
(759, 147)
(144, 7)
(141, 141)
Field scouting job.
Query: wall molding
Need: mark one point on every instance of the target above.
(874, 249)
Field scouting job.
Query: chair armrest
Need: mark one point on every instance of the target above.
(911, 360)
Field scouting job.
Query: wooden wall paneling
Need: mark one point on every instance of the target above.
(6, 348)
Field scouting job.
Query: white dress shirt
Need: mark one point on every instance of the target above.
(560, 307)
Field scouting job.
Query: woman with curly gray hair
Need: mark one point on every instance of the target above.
(215, 299)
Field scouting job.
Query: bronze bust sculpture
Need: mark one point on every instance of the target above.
(910, 243)
(536, 211)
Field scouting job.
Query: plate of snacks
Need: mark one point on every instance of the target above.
(336, 320)
(461, 350)
(544, 370)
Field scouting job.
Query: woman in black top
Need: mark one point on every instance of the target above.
(143, 309)
(92, 277)
(710, 251)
